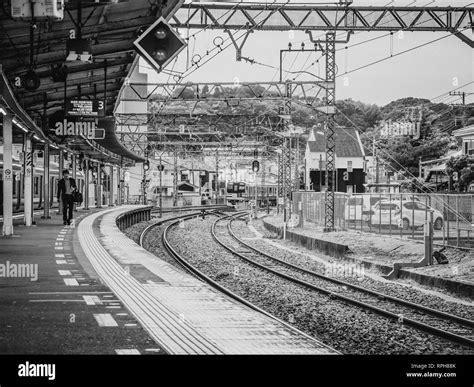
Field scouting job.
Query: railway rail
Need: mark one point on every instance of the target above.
(438, 323)
(173, 222)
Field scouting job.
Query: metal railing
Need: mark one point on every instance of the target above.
(134, 216)
(400, 215)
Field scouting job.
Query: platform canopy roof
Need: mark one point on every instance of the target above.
(111, 27)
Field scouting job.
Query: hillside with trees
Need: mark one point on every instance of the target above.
(400, 154)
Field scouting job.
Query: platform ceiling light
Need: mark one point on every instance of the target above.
(20, 126)
(3, 111)
(78, 50)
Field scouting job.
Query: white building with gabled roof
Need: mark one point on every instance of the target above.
(349, 161)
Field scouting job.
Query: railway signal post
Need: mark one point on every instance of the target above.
(255, 168)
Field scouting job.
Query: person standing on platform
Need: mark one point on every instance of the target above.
(66, 186)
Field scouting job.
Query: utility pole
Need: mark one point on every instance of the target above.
(376, 164)
(143, 184)
(175, 178)
(161, 188)
(419, 167)
(280, 179)
(461, 94)
(297, 161)
(217, 176)
(256, 195)
(286, 156)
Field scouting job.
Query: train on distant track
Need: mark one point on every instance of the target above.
(238, 192)
(37, 182)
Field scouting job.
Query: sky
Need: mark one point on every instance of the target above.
(426, 72)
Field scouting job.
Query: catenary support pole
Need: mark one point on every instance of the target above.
(111, 187)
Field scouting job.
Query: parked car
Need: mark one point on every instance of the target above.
(358, 207)
(404, 214)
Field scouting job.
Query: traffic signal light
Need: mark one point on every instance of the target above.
(146, 165)
(159, 44)
(255, 166)
(31, 81)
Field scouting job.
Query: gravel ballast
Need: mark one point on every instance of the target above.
(344, 327)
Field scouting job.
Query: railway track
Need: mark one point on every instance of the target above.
(155, 212)
(438, 323)
(173, 222)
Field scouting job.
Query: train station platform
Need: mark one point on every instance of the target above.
(88, 289)
(52, 303)
(380, 252)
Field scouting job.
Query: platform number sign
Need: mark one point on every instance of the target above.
(345, 176)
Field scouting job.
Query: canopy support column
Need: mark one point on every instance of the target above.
(7, 175)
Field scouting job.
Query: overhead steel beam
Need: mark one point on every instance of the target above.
(284, 17)
(228, 92)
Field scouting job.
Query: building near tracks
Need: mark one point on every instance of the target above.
(349, 161)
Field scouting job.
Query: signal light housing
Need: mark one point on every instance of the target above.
(159, 44)
(31, 81)
(255, 166)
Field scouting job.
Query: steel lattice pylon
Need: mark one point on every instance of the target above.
(330, 134)
(287, 177)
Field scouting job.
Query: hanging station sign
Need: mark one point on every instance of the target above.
(85, 108)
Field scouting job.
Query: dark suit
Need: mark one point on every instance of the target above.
(68, 201)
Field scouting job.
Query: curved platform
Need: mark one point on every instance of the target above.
(181, 313)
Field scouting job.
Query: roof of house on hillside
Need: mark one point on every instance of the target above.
(347, 143)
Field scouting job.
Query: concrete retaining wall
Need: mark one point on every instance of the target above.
(330, 248)
(339, 250)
